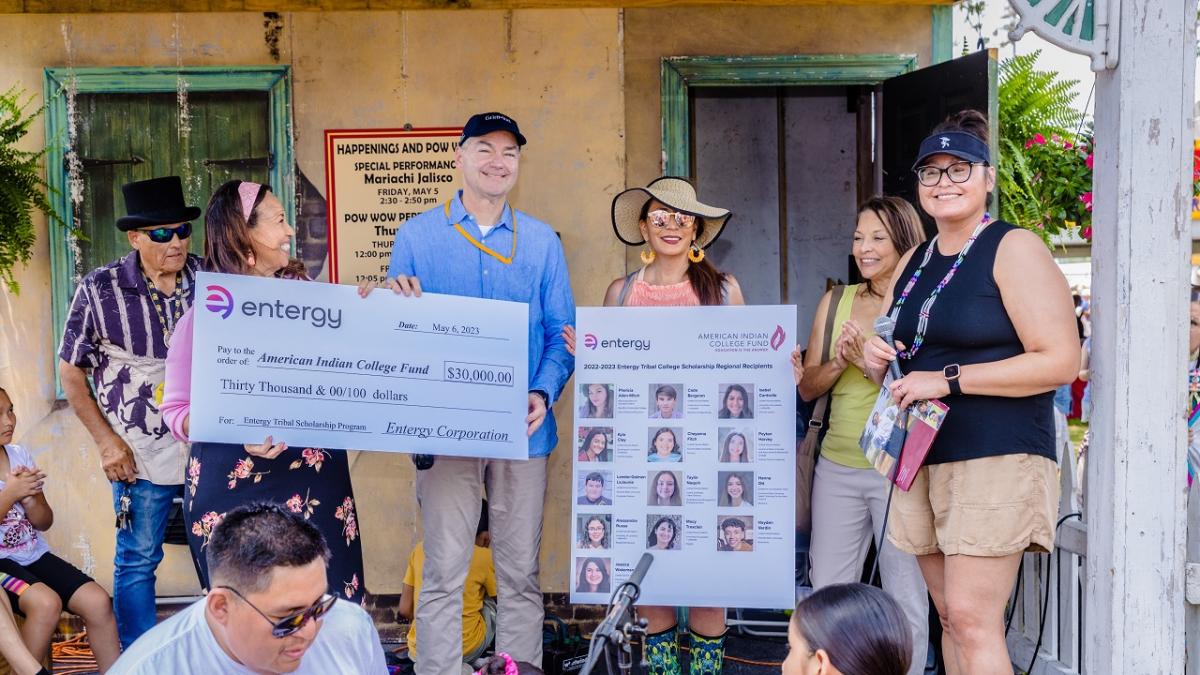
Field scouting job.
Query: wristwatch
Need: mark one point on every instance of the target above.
(951, 373)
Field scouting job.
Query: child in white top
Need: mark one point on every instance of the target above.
(52, 582)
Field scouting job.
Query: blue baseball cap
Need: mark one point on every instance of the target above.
(485, 123)
(960, 144)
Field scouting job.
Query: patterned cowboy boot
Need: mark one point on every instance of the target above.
(707, 655)
(662, 653)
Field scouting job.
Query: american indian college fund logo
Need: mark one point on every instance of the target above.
(744, 340)
(219, 300)
(778, 337)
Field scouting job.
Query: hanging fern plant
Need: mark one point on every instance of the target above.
(22, 189)
(1045, 170)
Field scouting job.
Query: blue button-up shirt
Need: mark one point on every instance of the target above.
(431, 249)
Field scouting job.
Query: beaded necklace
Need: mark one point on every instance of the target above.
(157, 296)
(927, 306)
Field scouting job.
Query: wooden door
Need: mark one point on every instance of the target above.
(914, 103)
(129, 137)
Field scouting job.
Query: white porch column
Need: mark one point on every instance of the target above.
(1136, 475)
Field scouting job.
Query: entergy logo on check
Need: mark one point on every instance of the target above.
(219, 300)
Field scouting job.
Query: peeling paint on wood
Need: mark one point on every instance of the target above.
(1136, 509)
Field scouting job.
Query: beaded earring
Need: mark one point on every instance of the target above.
(647, 256)
(695, 253)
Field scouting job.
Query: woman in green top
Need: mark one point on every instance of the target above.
(849, 496)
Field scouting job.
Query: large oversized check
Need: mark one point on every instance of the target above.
(684, 446)
(313, 364)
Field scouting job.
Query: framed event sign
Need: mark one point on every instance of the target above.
(684, 446)
(375, 180)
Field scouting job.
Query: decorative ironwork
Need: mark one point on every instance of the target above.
(1088, 27)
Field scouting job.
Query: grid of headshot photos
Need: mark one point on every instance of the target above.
(695, 444)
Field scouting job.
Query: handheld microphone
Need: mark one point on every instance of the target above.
(885, 326)
(627, 594)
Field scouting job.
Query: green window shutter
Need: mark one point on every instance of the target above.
(127, 122)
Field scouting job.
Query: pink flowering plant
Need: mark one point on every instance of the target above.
(1045, 172)
(1196, 177)
(1053, 180)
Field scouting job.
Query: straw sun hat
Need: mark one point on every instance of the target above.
(675, 193)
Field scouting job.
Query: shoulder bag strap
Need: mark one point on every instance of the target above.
(625, 289)
(817, 421)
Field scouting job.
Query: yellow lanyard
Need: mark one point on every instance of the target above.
(483, 247)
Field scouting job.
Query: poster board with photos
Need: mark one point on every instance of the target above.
(684, 440)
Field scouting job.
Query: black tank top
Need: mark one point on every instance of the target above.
(968, 324)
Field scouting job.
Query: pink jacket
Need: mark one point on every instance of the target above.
(177, 390)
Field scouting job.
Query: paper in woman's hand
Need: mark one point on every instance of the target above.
(897, 441)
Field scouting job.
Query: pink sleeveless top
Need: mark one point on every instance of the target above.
(642, 294)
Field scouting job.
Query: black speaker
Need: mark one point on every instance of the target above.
(564, 651)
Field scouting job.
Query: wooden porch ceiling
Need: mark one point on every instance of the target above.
(141, 6)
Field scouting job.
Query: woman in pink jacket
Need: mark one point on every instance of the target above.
(246, 232)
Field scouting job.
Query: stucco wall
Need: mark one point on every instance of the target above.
(556, 72)
(582, 83)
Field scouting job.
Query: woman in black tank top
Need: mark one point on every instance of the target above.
(984, 322)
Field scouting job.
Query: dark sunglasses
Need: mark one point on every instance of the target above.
(291, 623)
(162, 235)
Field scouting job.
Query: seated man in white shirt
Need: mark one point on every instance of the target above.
(269, 610)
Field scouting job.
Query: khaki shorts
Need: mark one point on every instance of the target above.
(988, 507)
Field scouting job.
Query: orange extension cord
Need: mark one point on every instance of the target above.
(74, 656)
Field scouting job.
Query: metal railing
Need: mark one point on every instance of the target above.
(1050, 596)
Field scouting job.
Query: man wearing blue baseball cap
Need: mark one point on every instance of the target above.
(478, 245)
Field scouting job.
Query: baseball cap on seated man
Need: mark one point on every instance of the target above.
(485, 123)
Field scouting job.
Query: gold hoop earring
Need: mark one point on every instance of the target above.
(695, 253)
(647, 256)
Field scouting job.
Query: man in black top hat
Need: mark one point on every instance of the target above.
(117, 333)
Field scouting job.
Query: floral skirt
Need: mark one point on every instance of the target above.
(309, 481)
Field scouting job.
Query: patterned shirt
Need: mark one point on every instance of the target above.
(115, 330)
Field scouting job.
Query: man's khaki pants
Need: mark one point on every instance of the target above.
(449, 494)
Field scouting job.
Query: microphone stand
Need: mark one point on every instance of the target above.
(616, 633)
(622, 640)
(614, 637)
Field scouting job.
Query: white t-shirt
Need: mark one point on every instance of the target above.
(347, 643)
(19, 541)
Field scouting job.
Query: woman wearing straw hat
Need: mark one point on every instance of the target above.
(675, 228)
